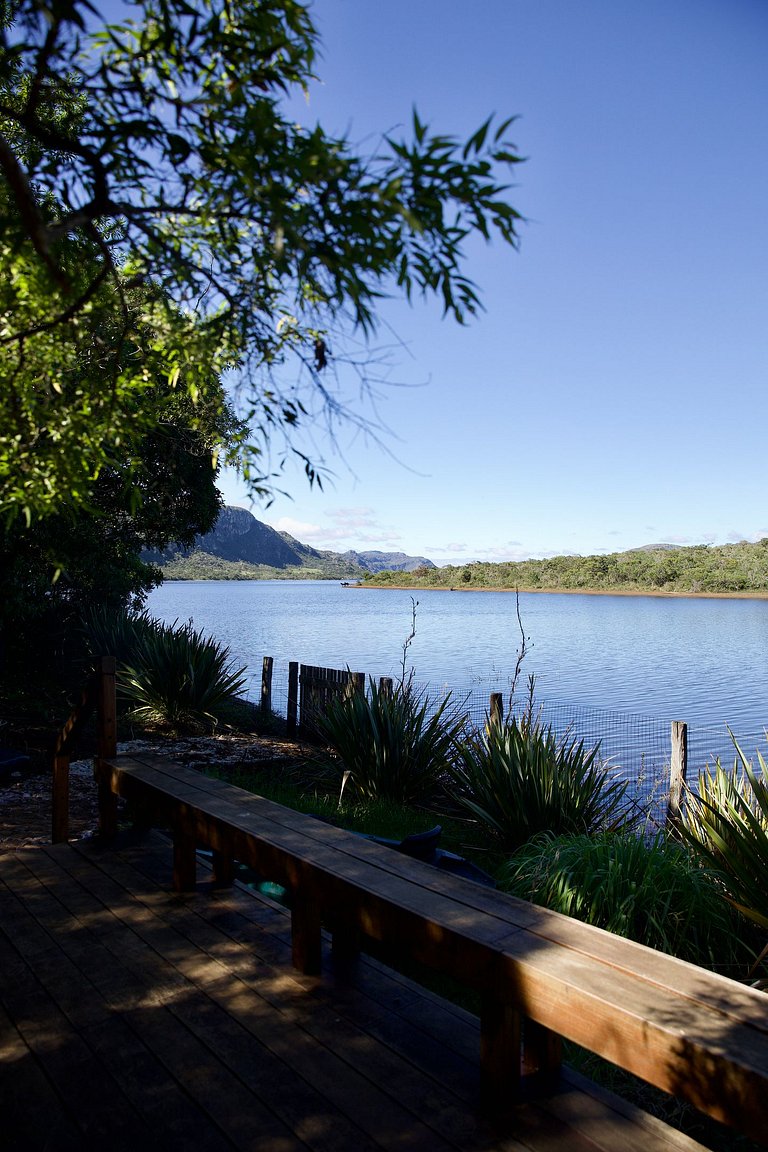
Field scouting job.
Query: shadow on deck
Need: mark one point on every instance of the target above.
(133, 1018)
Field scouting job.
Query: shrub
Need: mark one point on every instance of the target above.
(653, 891)
(727, 824)
(519, 779)
(390, 744)
(179, 678)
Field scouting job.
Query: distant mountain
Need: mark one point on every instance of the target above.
(241, 547)
(657, 548)
(387, 561)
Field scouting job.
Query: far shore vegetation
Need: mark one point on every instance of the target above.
(198, 565)
(729, 569)
(724, 570)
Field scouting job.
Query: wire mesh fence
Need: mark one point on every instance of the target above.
(637, 747)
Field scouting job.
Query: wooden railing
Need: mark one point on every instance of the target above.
(98, 695)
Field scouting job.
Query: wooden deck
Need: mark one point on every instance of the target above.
(134, 1018)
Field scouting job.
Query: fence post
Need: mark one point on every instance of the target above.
(678, 767)
(386, 687)
(293, 697)
(266, 685)
(106, 742)
(496, 714)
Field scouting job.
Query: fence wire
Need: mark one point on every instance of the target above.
(638, 748)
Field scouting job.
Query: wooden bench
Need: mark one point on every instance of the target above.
(541, 976)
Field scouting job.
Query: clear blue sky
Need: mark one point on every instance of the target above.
(613, 394)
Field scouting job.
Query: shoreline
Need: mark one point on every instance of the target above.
(657, 593)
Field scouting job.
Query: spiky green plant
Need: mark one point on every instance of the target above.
(180, 678)
(117, 632)
(519, 779)
(652, 890)
(390, 744)
(726, 821)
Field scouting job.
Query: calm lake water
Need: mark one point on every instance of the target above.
(699, 660)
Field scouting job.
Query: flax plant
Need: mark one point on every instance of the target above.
(726, 821)
(518, 779)
(390, 744)
(119, 633)
(179, 678)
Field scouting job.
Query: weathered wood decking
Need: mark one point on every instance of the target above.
(134, 1018)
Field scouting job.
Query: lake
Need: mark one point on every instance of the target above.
(623, 660)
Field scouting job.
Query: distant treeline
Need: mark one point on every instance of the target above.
(704, 568)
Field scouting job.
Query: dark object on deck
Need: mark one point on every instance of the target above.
(424, 846)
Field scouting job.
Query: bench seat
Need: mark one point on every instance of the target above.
(541, 976)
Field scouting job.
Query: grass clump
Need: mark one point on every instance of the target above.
(653, 891)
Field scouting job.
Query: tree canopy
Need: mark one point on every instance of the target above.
(59, 569)
(157, 152)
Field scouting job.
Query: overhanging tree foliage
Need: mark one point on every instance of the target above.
(77, 559)
(162, 147)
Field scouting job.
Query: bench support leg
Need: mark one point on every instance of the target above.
(345, 950)
(500, 1051)
(107, 801)
(305, 933)
(542, 1054)
(184, 861)
(223, 869)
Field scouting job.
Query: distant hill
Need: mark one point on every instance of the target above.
(698, 569)
(240, 547)
(387, 561)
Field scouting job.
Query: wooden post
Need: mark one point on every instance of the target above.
(184, 856)
(306, 939)
(500, 1045)
(266, 685)
(542, 1054)
(345, 950)
(496, 714)
(223, 871)
(60, 799)
(678, 768)
(106, 743)
(386, 686)
(293, 698)
(358, 680)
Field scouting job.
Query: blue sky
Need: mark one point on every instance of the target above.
(613, 392)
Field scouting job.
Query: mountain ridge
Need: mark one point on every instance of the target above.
(239, 546)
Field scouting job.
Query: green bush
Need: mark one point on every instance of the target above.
(726, 821)
(653, 891)
(519, 779)
(179, 678)
(390, 744)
